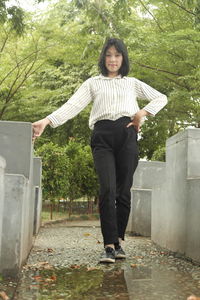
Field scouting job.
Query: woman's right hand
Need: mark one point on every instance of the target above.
(39, 127)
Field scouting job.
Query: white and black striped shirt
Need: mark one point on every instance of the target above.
(112, 98)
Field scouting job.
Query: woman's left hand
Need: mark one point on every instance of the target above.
(137, 119)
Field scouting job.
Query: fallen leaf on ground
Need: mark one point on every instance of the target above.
(87, 234)
(4, 296)
(50, 250)
(44, 265)
(133, 266)
(39, 266)
(92, 268)
(49, 280)
(153, 252)
(53, 277)
(75, 267)
(163, 252)
(38, 278)
(193, 297)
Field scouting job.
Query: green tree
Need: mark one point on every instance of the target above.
(13, 16)
(55, 171)
(163, 43)
(82, 179)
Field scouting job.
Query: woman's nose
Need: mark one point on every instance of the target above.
(112, 58)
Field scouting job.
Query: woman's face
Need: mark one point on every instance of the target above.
(113, 61)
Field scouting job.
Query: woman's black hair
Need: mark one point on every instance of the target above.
(121, 48)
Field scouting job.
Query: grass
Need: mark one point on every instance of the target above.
(65, 216)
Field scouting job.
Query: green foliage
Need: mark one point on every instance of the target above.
(83, 179)
(56, 171)
(159, 154)
(13, 16)
(64, 44)
(68, 172)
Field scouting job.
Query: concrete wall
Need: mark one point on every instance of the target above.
(16, 147)
(193, 220)
(37, 177)
(20, 213)
(15, 222)
(176, 202)
(146, 176)
(2, 174)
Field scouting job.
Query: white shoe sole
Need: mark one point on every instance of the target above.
(107, 260)
(120, 256)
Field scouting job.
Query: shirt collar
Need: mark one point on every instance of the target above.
(109, 78)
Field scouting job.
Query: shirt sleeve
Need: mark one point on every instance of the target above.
(80, 99)
(157, 99)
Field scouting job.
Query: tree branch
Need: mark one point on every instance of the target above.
(26, 75)
(178, 83)
(171, 19)
(4, 43)
(179, 56)
(151, 15)
(21, 62)
(3, 110)
(182, 7)
(16, 66)
(157, 69)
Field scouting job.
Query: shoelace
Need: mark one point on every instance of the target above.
(109, 249)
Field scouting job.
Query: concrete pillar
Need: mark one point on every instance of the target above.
(37, 177)
(175, 220)
(2, 174)
(146, 176)
(17, 149)
(14, 248)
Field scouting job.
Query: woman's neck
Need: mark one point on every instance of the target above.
(112, 75)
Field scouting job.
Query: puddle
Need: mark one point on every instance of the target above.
(122, 281)
(7, 285)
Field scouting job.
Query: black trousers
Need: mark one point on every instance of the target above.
(115, 153)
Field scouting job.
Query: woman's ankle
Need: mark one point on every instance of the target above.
(110, 245)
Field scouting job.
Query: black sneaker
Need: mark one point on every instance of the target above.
(119, 252)
(108, 256)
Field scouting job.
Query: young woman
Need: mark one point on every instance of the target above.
(115, 119)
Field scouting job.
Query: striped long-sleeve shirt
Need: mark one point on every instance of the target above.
(112, 98)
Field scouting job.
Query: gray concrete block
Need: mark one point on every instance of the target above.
(37, 171)
(175, 224)
(14, 248)
(2, 174)
(16, 147)
(141, 212)
(193, 220)
(193, 157)
(148, 173)
(160, 216)
(37, 177)
(173, 202)
(37, 210)
(30, 204)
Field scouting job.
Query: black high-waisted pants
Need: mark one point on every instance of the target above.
(115, 153)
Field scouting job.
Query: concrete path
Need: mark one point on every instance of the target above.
(64, 264)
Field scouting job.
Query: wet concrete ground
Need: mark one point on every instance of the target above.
(63, 264)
